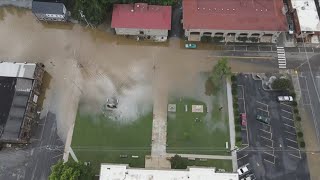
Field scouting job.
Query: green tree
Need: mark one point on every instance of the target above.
(177, 162)
(71, 171)
(221, 69)
(281, 84)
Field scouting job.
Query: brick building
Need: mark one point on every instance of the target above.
(234, 20)
(142, 20)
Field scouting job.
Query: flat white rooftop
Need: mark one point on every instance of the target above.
(21, 70)
(307, 14)
(120, 171)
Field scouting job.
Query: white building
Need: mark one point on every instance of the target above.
(306, 18)
(121, 171)
(49, 11)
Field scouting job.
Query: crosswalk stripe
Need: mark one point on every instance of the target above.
(282, 61)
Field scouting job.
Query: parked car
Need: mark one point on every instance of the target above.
(249, 177)
(190, 46)
(243, 117)
(263, 119)
(243, 170)
(285, 98)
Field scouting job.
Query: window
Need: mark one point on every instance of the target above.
(218, 34)
(207, 33)
(231, 34)
(141, 32)
(194, 33)
(243, 34)
(255, 35)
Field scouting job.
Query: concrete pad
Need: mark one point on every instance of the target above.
(157, 162)
(197, 108)
(172, 107)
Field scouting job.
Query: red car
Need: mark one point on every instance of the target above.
(243, 119)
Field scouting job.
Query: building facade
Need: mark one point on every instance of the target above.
(122, 171)
(19, 93)
(142, 20)
(234, 21)
(49, 11)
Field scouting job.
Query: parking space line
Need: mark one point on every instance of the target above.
(269, 154)
(285, 105)
(242, 157)
(295, 155)
(262, 103)
(265, 131)
(287, 118)
(242, 91)
(295, 141)
(266, 138)
(264, 110)
(270, 161)
(290, 133)
(294, 148)
(289, 125)
(286, 111)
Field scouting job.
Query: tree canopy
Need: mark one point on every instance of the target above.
(220, 70)
(71, 171)
(95, 10)
(177, 162)
(281, 84)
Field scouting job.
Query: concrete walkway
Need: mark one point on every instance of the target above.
(159, 125)
(17, 3)
(200, 156)
(231, 126)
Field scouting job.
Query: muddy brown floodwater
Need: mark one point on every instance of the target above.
(95, 64)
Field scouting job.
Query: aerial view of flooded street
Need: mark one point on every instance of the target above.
(85, 68)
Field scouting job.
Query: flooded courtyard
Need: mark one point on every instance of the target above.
(95, 64)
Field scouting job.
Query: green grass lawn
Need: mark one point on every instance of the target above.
(100, 140)
(217, 163)
(207, 136)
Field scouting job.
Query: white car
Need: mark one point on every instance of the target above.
(285, 98)
(243, 170)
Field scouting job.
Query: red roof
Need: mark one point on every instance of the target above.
(234, 15)
(141, 16)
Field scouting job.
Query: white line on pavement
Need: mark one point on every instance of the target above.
(286, 111)
(295, 141)
(287, 118)
(285, 105)
(290, 133)
(242, 157)
(289, 125)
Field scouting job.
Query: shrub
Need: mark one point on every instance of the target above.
(238, 139)
(237, 128)
(302, 144)
(281, 84)
(234, 91)
(296, 110)
(294, 103)
(298, 118)
(233, 78)
(300, 134)
(177, 162)
(235, 105)
(293, 94)
(236, 112)
(206, 39)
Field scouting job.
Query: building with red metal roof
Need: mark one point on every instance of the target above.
(231, 19)
(142, 20)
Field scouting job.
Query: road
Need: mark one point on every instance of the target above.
(35, 161)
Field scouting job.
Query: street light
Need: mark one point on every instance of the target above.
(84, 17)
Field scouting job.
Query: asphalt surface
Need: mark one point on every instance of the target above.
(33, 162)
(273, 151)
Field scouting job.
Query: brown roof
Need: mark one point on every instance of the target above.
(234, 15)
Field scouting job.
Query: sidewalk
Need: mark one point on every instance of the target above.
(231, 126)
(17, 3)
(200, 156)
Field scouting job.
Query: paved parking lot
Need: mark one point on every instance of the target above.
(272, 149)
